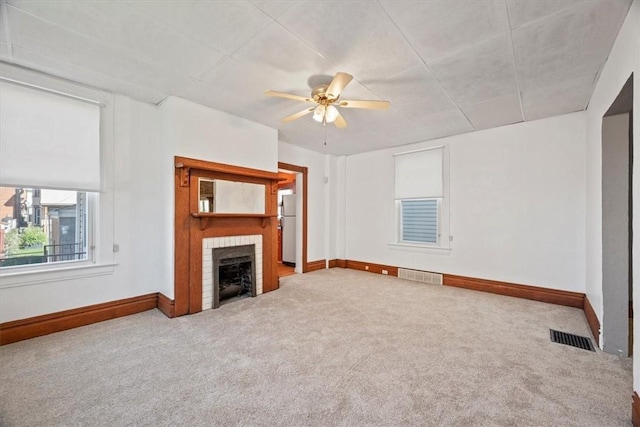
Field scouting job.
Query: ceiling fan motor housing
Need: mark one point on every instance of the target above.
(320, 96)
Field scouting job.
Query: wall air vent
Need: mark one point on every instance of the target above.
(420, 276)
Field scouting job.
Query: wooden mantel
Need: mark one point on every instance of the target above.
(192, 226)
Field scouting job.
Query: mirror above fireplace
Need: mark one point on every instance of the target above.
(233, 197)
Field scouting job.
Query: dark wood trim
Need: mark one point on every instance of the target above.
(305, 199)
(592, 320)
(341, 263)
(553, 296)
(635, 410)
(32, 327)
(166, 305)
(185, 162)
(316, 265)
(371, 267)
(333, 263)
(182, 245)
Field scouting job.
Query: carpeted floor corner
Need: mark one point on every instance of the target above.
(333, 347)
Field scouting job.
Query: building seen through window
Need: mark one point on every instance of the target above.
(42, 226)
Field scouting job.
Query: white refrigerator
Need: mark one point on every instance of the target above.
(288, 225)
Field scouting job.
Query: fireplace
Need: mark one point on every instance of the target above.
(234, 273)
(231, 269)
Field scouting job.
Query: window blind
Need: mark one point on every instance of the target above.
(419, 174)
(420, 221)
(48, 140)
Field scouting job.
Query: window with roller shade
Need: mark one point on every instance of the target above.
(419, 196)
(50, 171)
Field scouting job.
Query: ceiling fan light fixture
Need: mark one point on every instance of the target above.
(331, 114)
(318, 113)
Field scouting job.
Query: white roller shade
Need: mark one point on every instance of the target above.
(419, 174)
(48, 140)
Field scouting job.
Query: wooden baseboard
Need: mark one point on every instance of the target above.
(635, 410)
(553, 296)
(32, 327)
(340, 263)
(372, 267)
(166, 305)
(592, 320)
(316, 265)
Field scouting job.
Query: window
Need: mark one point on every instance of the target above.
(51, 227)
(421, 204)
(419, 221)
(49, 174)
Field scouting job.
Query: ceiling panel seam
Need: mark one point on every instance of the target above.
(551, 15)
(176, 29)
(426, 66)
(137, 55)
(513, 56)
(5, 23)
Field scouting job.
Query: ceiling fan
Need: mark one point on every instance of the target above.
(327, 98)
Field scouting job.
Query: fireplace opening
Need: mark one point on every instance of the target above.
(235, 277)
(234, 274)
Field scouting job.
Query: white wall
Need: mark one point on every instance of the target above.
(517, 205)
(624, 59)
(317, 209)
(195, 131)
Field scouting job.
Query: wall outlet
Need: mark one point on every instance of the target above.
(385, 272)
(366, 267)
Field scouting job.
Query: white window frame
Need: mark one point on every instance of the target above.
(100, 206)
(445, 238)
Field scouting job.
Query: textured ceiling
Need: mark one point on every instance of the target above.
(447, 67)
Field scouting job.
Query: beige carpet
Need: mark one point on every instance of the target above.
(334, 347)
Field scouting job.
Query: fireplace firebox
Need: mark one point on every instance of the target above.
(234, 273)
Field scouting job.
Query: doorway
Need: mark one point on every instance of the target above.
(617, 231)
(292, 213)
(287, 215)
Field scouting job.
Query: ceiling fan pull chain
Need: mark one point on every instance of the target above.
(325, 133)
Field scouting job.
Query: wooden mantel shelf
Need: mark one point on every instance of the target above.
(204, 217)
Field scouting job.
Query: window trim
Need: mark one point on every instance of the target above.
(101, 205)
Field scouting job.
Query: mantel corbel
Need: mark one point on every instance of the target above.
(184, 174)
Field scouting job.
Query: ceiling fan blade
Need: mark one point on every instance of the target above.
(339, 82)
(298, 115)
(340, 122)
(375, 105)
(288, 96)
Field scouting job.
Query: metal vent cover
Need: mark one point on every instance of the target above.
(571, 340)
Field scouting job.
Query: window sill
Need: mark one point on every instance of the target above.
(13, 279)
(411, 247)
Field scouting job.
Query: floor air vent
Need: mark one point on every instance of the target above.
(420, 276)
(572, 340)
